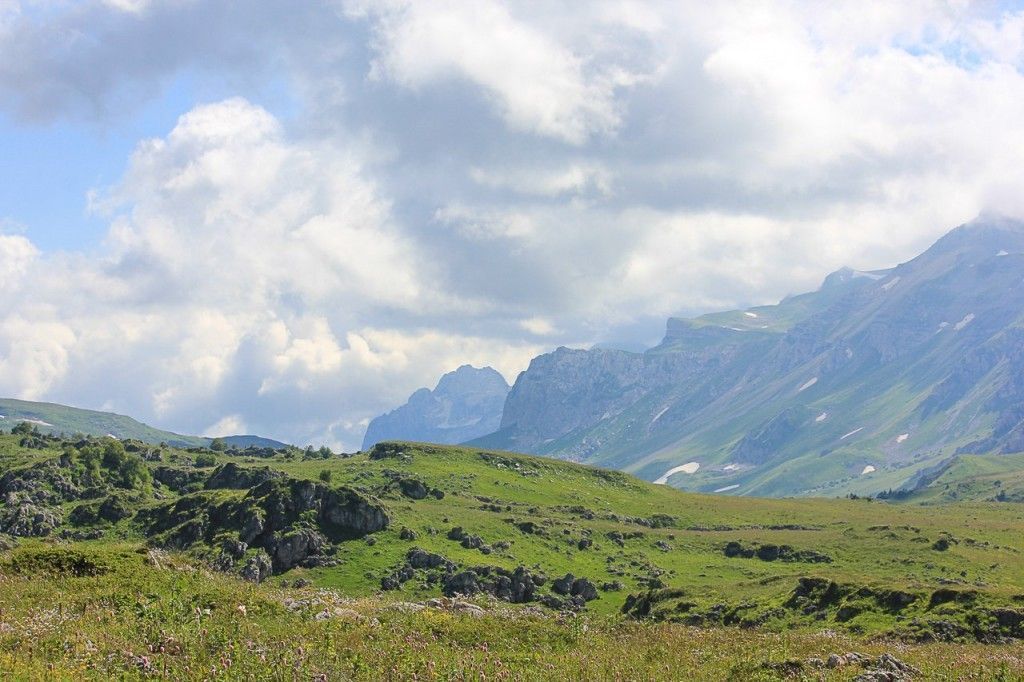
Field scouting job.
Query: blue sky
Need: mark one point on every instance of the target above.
(304, 211)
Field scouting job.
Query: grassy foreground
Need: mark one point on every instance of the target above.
(125, 560)
(147, 614)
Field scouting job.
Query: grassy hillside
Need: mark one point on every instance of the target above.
(658, 562)
(54, 418)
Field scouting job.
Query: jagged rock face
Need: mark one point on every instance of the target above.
(293, 522)
(231, 475)
(466, 404)
(883, 368)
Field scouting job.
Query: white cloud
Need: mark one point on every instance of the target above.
(229, 425)
(537, 83)
(538, 326)
(451, 182)
(16, 255)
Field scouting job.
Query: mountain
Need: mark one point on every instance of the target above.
(859, 387)
(466, 404)
(53, 418)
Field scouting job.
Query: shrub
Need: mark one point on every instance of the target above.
(206, 459)
(325, 476)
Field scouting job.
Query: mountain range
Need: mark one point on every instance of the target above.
(879, 380)
(465, 404)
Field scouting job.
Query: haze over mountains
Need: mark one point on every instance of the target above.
(876, 381)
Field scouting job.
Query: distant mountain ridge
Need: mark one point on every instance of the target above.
(465, 404)
(855, 387)
(54, 418)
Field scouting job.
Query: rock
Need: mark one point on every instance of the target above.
(583, 588)
(295, 548)
(22, 518)
(407, 534)
(412, 488)
(464, 583)
(232, 476)
(419, 558)
(258, 568)
(564, 584)
(466, 608)
(584, 543)
(234, 548)
(178, 480)
(252, 526)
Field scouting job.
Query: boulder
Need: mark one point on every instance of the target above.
(232, 476)
(464, 583)
(257, 568)
(413, 488)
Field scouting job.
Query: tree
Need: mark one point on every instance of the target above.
(25, 429)
(113, 454)
(134, 473)
(218, 445)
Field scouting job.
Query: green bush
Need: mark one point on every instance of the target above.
(206, 460)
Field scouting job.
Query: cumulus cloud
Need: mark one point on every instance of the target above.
(537, 83)
(458, 182)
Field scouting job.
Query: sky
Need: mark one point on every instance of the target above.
(284, 217)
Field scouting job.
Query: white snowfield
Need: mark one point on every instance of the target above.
(964, 322)
(688, 468)
(750, 314)
(902, 437)
(867, 470)
(728, 488)
(891, 283)
(731, 467)
(852, 432)
(40, 422)
(869, 275)
(821, 417)
(658, 416)
(807, 384)
(1003, 252)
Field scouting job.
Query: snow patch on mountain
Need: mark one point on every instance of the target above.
(807, 384)
(964, 322)
(688, 468)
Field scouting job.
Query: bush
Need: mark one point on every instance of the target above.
(218, 445)
(206, 459)
(325, 476)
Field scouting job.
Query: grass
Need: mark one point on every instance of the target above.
(95, 608)
(154, 616)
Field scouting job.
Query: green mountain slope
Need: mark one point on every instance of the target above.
(414, 522)
(53, 418)
(856, 388)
